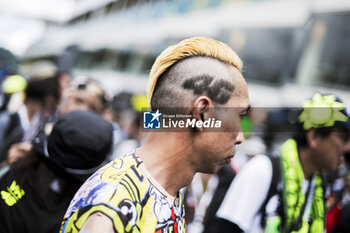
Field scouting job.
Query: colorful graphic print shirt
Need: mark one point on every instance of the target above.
(124, 191)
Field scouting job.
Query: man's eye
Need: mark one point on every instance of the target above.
(243, 115)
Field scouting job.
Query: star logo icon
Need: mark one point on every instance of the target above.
(151, 120)
(156, 115)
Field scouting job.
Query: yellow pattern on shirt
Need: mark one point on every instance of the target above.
(122, 193)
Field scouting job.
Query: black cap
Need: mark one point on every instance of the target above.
(78, 144)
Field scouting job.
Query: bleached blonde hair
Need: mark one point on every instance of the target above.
(196, 46)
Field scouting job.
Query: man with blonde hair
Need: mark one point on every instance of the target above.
(140, 192)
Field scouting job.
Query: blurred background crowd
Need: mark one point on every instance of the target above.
(60, 56)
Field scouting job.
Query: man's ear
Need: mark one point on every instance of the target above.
(311, 138)
(200, 109)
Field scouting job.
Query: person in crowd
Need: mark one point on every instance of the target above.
(131, 126)
(81, 95)
(8, 67)
(338, 217)
(140, 192)
(37, 188)
(13, 94)
(88, 95)
(334, 194)
(286, 193)
(85, 95)
(41, 100)
(8, 64)
(343, 224)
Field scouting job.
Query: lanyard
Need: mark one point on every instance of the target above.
(309, 200)
(306, 208)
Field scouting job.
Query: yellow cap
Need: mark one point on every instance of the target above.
(139, 102)
(14, 83)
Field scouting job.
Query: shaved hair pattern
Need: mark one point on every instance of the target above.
(220, 91)
(198, 46)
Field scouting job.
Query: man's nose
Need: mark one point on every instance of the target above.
(240, 137)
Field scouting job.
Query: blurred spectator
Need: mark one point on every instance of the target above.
(135, 136)
(87, 95)
(347, 153)
(8, 67)
(346, 196)
(41, 100)
(132, 126)
(338, 216)
(121, 103)
(37, 189)
(338, 194)
(83, 94)
(13, 89)
(65, 63)
(343, 224)
(201, 207)
(286, 193)
(64, 80)
(334, 194)
(8, 64)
